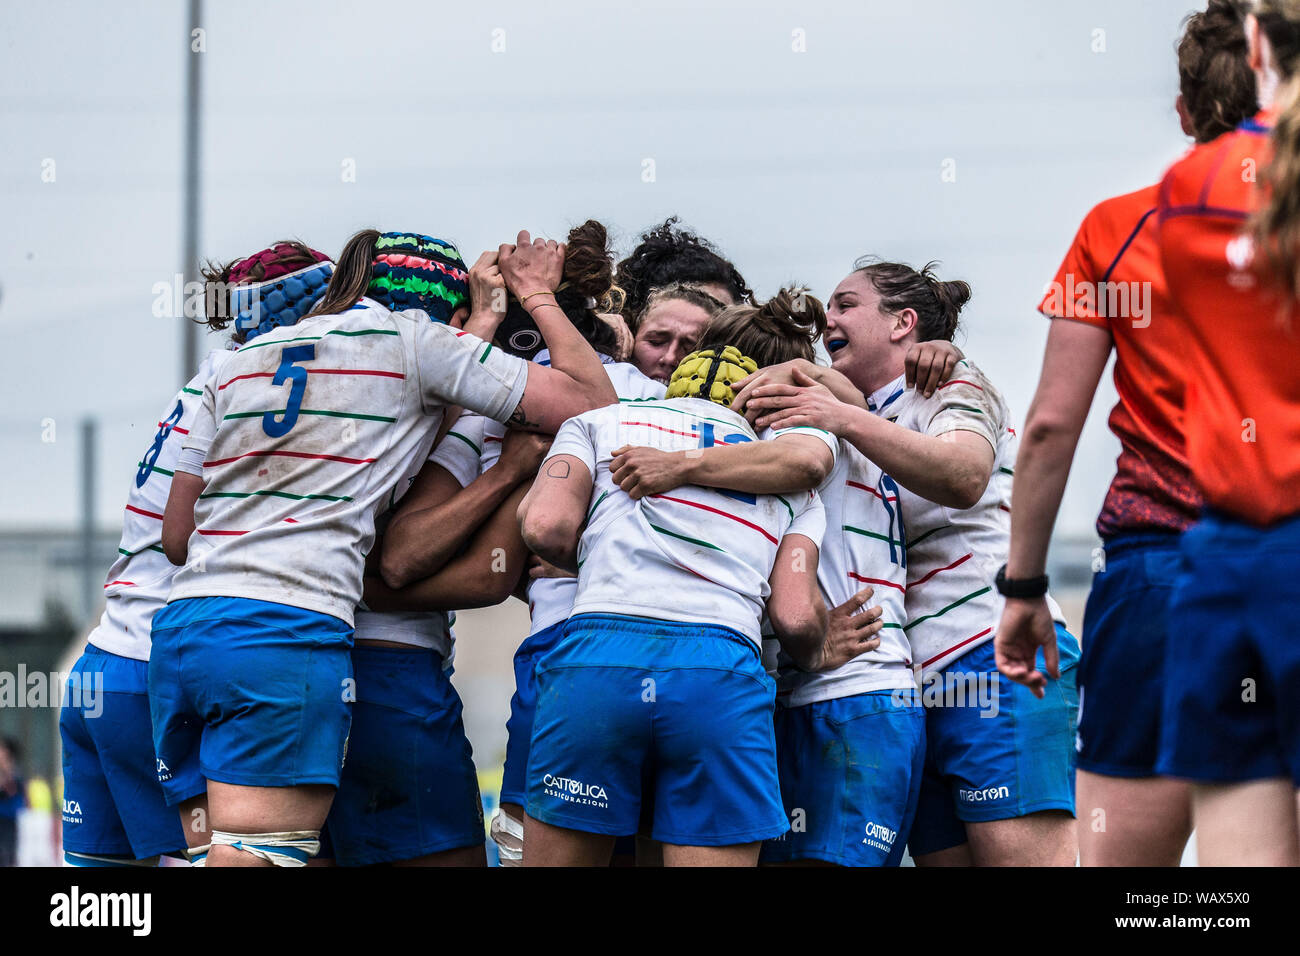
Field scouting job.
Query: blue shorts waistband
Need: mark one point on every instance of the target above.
(659, 628)
(1119, 543)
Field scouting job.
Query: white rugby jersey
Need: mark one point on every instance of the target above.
(427, 629)
(306, 435)
(694, 555)
(953, 555)
(140, 578)
(864, 546)
(550, 600)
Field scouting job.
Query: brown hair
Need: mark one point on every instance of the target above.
(1214, 74)
(588, 285)
(668, 254)
(780, 330)
(218, 312)
(937, 304)
(351, 275)
(677, 292)
(1276, 226)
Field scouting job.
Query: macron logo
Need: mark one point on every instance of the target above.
(983, 796)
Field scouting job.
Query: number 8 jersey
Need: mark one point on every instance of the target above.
(304, 435)
(140, 578)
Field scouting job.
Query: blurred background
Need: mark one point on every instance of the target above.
(143, 135)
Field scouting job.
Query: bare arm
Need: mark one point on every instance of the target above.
(437, 516)
(1075, 359)
(952, 469)
(178, 518)
(1076, 356)
(926, 366)
(576, 381)
(783, 374)
(786, 463)
(795, 607)
(553, 512)
(484, 576)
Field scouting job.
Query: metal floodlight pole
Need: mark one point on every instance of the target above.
(90, 569)
(190, 212)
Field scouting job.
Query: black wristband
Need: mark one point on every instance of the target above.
(1020, 587)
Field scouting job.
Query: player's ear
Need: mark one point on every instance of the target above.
(1254, 56)
(904, 322)
(1184, 118)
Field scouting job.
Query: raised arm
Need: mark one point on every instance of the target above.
(576, 380)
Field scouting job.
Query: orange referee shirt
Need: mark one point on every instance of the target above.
(1242, 362)
(1111, 278)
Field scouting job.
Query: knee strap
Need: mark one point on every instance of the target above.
(508, 835)
(198, 855)
(286, 848)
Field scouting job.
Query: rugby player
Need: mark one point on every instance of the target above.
(115, 810)
(665, 625)
(998, 785)
(302, 439)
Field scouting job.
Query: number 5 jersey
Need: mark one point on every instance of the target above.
(304, 436)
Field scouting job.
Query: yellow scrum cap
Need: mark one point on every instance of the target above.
(710, 375)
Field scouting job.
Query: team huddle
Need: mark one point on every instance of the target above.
(782, 612)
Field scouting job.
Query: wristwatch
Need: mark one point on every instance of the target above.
(1020, 587)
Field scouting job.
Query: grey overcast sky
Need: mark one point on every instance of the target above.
(471, 121)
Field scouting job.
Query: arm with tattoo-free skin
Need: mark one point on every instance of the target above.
(786, 463)
(926, 366)
(178, 517)
(576, 380)
(437, 516)
(952, 469)
(795, 608)
(483, 576)
(1072, 366)
(552, 514)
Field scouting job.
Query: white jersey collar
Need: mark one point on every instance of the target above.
(880, 400)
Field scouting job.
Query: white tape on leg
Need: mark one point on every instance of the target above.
(286, 848)
(508, 835)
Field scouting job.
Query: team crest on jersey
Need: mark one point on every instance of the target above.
(1241, 256)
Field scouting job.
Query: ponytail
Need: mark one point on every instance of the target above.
(351, 275)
